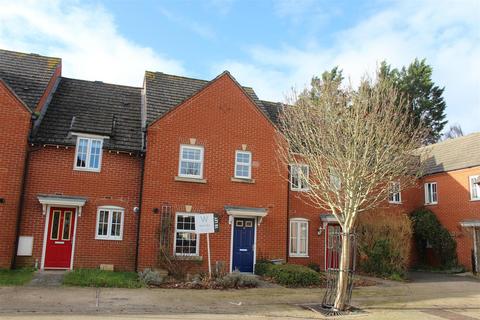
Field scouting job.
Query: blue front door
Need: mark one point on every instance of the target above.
(243, 244)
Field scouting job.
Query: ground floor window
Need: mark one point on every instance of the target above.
(109, 223)
(186, 240)
(298, 238)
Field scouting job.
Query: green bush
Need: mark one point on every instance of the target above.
(262, 267)
(292, 275)
(314, 266)
(428, 230)
(384, 243)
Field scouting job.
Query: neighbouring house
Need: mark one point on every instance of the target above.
(96, 174)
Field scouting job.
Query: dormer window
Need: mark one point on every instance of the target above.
(88, 155)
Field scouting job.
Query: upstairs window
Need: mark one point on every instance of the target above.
(243, 164)
(474, 187)
(431, 193)
(191, 162)
(395, 195)
(109, 223)
(298, 238)
(186, 240)
(299, 177)
(88, 155)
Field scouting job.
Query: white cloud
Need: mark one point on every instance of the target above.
(446, 33)
(85, 37)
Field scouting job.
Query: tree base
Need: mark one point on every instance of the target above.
(332, 312)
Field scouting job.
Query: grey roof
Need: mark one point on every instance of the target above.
(245, 208)
(165, 91)
(93, 107)
(27, 74)
(453, 154)
(273, 109)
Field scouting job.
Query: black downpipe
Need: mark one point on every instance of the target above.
(22, 198)
(288, 216)
(137, 245)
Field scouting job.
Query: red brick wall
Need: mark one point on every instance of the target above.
(118, 184)
(221, 118)
(14, 129)
(454, 205)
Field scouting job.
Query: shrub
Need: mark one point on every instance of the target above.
(314, 266)
(150, 277)
(384, 243)
(292, 275)
(237, 280)
(262, 267)
(428, 230)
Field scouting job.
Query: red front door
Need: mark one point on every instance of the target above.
(334, 246)
(58, 253)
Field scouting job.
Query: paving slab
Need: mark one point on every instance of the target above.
(47, 278)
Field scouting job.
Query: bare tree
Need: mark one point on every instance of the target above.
(355, 143)
(455, 131)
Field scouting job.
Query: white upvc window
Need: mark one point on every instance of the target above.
(431, 196)
(395, 195)
(88, 154)
(110, 222)
(474, 187)
(299, 177)
(191, 162)
(243, 164)
(298, 238)
(186, 242)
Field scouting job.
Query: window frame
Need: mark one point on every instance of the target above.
(243, 164)
(298, 222)
(301, 187)
(472, 186)
(197, 235)
(110, 210)
(90, 140)
(391, 194)
(180, 159)
(427, 194)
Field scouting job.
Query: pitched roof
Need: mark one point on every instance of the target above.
(27, 74)
(93, 107)
(453, 154)
(165, 91)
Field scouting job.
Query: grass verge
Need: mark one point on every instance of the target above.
(16, 277)
(101, 278)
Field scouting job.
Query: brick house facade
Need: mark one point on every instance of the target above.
(113, 170)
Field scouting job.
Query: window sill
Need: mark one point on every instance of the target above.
(86, 170)
(194, 180)
(394, 202)
(299, 190)
(298, 256)
(189, 258)
(475, 200)
(431, 204)
(242, 180)
(109, 239)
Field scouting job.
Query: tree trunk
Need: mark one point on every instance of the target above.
(343, 273)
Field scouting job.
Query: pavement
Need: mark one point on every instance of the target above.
(427, 296)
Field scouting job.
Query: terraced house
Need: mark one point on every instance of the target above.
(98, 174)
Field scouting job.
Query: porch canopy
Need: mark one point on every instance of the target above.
(470, 223)
(51, 200)
(245, 212)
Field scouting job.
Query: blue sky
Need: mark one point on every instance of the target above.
(269, 45)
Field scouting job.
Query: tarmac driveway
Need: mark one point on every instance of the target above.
(428, 296)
